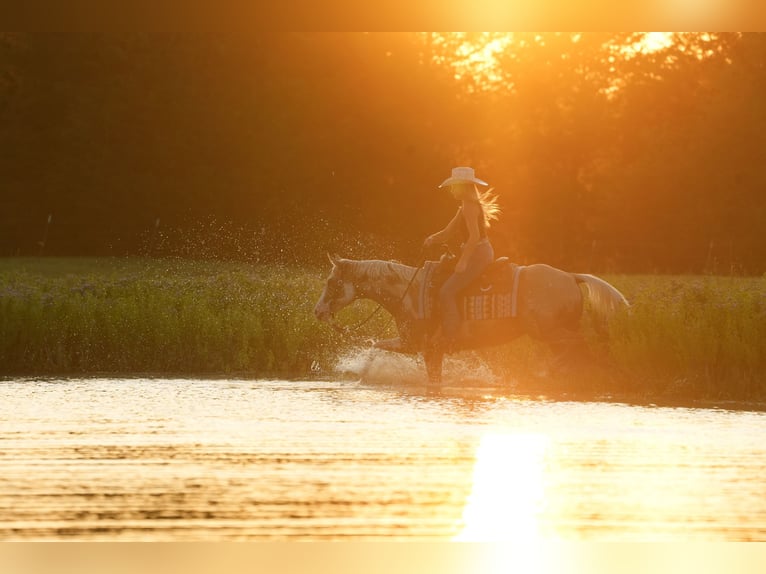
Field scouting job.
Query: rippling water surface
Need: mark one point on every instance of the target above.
(153, 459)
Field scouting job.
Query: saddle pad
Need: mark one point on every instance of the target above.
(425, 309)
(475, 305)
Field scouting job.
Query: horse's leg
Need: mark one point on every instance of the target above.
(433, 357)
(569, 348)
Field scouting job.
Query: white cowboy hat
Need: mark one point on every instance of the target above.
(462, 175)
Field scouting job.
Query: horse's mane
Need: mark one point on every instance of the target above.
(377, 270)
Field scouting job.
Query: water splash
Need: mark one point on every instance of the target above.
(381, 367)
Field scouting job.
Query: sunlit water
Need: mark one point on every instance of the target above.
(149, 459)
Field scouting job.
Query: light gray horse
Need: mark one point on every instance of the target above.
(549, 303)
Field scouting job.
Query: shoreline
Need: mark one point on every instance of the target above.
(488, 391)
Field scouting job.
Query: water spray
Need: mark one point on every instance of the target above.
(45, 234)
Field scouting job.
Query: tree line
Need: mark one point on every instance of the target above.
(607, 153)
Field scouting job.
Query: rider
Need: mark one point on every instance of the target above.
(470, 225)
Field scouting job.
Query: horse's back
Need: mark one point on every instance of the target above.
(545, 290)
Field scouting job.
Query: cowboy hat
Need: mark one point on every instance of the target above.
(462, 175)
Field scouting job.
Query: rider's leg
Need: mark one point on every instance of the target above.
(482, 256)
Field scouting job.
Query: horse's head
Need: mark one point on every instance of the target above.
(338, 291)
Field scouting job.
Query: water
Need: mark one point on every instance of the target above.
(149, 459)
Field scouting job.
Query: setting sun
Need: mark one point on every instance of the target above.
(482, 58)
(473, 55)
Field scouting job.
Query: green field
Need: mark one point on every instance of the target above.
(87, 316)
(690, 337)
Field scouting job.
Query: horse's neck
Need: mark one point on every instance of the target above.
(390, 284)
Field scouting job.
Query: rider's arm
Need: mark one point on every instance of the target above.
(443, 235)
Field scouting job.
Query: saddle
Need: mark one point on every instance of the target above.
(493, 295)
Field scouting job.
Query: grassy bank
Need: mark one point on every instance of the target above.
(687, 337)
(691, 337)
(695, 336)
(86, 316)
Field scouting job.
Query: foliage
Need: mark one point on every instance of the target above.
(606, 155)
(85, 316)
(695, 335)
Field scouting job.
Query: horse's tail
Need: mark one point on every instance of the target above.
(605, 298)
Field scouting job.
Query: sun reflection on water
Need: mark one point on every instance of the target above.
(508, 492)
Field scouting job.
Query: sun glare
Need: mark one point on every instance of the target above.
(472, 56)
(508, 491)
(658, 40)
(649, 42)
(478, 57)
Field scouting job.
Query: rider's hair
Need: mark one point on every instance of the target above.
(489, 205)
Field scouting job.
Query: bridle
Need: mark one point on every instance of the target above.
(352, 331)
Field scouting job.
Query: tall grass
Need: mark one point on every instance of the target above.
(683, 338)
(83, 316)
(692, 337)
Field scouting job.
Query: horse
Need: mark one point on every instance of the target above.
(549, 304)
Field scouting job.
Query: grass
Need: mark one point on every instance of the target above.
(702, 336)
(685, 337)
(86, 316)
(690, 337)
